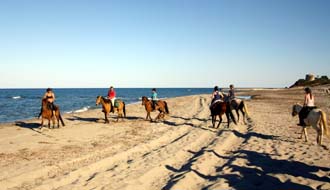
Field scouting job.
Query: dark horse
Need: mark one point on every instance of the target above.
(47, 113)
(238, 105)
(161, 107)
(106, 107)
(220, 108)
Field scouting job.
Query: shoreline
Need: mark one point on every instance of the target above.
(91, 107)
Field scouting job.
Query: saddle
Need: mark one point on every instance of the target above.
(154, 104)
(117, 101)
(215, 102)
(306, 110)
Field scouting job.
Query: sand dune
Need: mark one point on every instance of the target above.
(182, 152)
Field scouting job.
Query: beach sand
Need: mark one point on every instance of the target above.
(182, 152)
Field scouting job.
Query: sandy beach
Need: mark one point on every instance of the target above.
(183, 152)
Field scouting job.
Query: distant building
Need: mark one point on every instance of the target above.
(310, 77)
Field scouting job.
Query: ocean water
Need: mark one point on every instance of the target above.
(20, 104)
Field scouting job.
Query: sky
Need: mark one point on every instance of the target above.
(162, 43)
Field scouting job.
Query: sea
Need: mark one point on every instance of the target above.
(23, 104)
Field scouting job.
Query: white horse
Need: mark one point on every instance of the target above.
(315, 118)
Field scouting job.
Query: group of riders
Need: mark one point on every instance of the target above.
(50, 97)
(217, 96)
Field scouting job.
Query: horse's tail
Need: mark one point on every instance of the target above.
(124, 109)
(61, 119)
(245, 108)
(324, 123)
(166, 108)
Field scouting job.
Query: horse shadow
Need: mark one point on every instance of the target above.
(264, 166)
(174, 124)
(248, 135)
(189, 119)
(27, 125)
(77, 118)
(247, 177)
(134, 118)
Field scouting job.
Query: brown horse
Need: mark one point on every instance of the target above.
(218, 109)
(161, 107)
(106, 107)
(47, 113)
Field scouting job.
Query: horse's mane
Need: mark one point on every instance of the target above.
(144, 97)
(106, 100)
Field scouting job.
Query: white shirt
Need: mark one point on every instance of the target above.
(309, 101)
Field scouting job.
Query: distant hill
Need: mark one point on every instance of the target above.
(315, 82)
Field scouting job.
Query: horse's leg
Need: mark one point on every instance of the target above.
(42, 122)
(105, 117)
(220, 120)
(214, 119)
(162, 114)
(319, 133)
(305, 133)
(148, 116)
(120, 114)
(48, 123)
(158, 116)
(237, 115)
(244, 118)
(228, 119)
(57, 119)
(302, 133)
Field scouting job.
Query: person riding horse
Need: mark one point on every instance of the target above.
(307, 107)
(50, 97)
(154, 98)
(216, 96)
(231, 98)
(112, 98)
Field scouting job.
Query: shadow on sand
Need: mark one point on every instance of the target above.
(258, 173)
(77, 118)
(27, 125)
(260, 176)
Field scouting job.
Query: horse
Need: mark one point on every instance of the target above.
(161, 107)
(47, 113)
(239, 105)
(218, 109)
(106, 107)
(315, 118)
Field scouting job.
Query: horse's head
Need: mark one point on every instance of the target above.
(44, 101)
(296, 109)
(98, 100)
(144, 100)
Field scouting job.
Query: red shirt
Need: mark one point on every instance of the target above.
(111, 94)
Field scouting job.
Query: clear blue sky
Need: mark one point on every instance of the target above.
(162, 43)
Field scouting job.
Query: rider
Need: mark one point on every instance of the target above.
(217, 95)
(231, 93)
(50, 97)
(154, 98)
(307, 107)
(112, 97)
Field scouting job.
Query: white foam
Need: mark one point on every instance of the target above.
(16, 97)
(80, 110)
